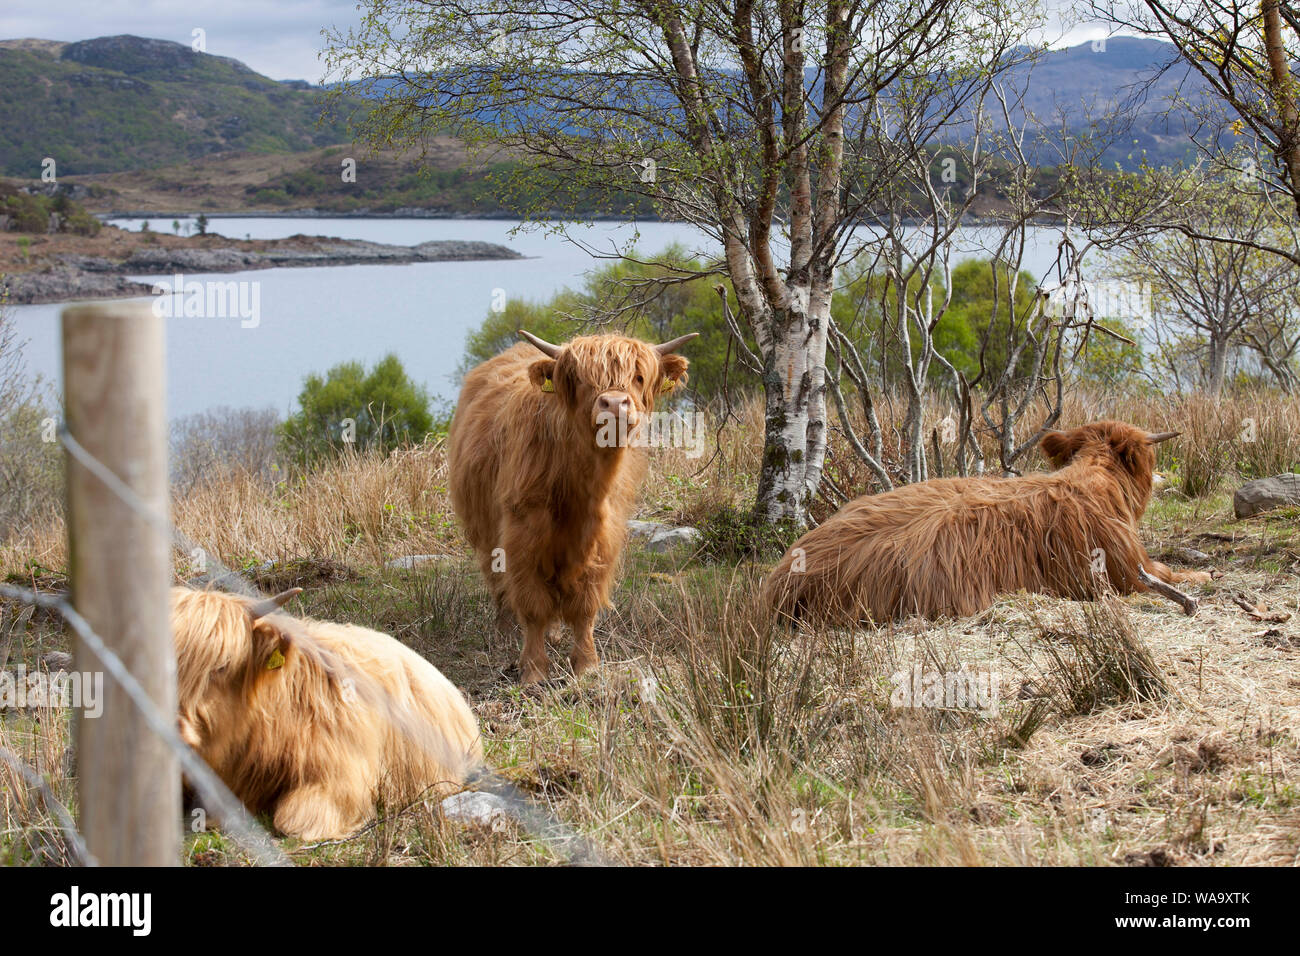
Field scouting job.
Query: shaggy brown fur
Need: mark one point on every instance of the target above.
(951, 546)
(311, 721)
(544, 506)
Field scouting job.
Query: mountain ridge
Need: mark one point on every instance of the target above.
(119, 105)
(113, 104)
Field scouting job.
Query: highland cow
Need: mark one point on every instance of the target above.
(543, 495)
(950, 546)
(313, 722)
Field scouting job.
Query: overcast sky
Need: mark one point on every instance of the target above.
(279, 38)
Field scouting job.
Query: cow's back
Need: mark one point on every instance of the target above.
(430, 731)
(942, 547)
(480, 428)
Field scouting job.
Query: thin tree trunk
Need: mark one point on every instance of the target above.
(1283, 93)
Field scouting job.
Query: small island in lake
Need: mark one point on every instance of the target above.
(63, 266)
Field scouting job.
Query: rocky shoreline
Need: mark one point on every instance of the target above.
(76, 276)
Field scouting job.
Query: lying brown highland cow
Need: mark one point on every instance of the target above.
(952, 545)
(314, 722)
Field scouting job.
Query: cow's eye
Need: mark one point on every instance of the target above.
(640, 380)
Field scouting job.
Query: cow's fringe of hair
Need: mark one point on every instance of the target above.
(349, 718)
(951, 546)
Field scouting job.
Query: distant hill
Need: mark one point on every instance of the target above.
(1081, 84)
(1084, 81)
(152, 125)
(125, 102)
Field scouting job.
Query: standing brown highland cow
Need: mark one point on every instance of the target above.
(950, 546)
(542, 494)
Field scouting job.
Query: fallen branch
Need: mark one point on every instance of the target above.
(1186, 601)
(1258, 610)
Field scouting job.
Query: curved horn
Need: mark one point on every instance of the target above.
(552, 350)
(675, 344)
(271, 605)
(1161, 436)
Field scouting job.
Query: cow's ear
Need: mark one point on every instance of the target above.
(270, 646)
(674, 369)
(1135, 454)
(542, 374)
(1059, 447)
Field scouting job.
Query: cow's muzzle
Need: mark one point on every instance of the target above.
(615, 416)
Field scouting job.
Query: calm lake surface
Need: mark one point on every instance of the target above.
(314, 318)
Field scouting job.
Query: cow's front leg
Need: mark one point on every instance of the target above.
(317, 812)
(583, 657)
(507, 626)
(1170, 576)
(534, 665)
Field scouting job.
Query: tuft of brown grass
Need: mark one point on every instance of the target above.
(1098, 659)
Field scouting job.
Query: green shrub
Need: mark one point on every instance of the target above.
(350, 408)
(730, 534)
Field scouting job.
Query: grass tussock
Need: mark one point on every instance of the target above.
(1097, 659)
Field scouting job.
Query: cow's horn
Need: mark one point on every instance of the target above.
(552, 350)
(670, 347)
(271, 605)
(1162, 436)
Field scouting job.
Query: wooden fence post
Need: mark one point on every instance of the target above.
(120, 564)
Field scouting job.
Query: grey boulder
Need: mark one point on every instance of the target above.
(1265, 494)
(661, 537)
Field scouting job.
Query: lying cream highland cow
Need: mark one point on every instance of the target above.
(314, 722)
(950, 546)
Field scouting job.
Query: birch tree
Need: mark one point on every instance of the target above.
(751, 119)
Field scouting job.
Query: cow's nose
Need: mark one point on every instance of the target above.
(614, 403)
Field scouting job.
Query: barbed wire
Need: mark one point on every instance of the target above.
(246, 831)
(535, 820)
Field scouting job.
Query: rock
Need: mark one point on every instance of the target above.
(89, 263)
(165, 260)
(1192, 556)
(485, 809)
(57, 661)
(409, 561)
(94, 277)
(1264, 494)
(644, 529)
(447, 250)
(67, 285)
(672, 538)
(662, 537)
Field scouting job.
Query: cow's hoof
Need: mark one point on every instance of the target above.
(583, 664)
(530, 673)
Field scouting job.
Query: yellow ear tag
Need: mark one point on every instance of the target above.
(275, 661)
(548, 385)
(667, 385)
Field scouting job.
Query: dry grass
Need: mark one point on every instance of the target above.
(1124, 733)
